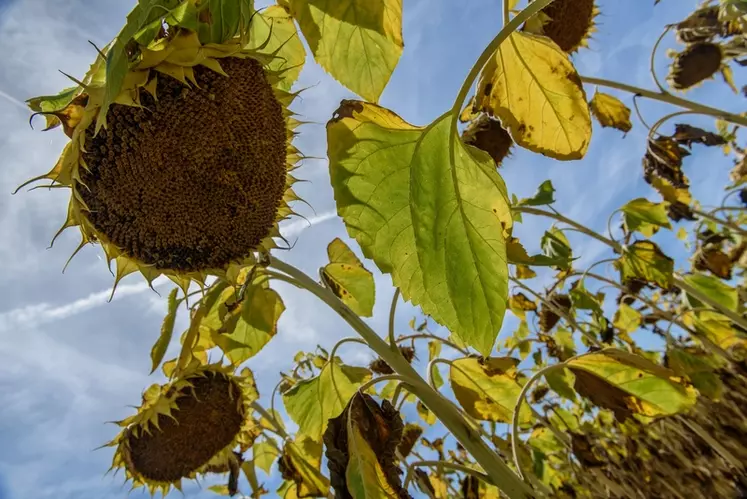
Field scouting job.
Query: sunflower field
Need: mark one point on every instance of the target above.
(533, 369)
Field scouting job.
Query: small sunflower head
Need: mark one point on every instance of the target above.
(696, 63)
(569, 23)
(489, 135)
(188, 172)
(184, 428)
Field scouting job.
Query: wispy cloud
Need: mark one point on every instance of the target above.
(295, 228)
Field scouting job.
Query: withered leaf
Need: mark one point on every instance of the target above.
(379, 366)
(715, 261)
(360, 448)
(688, 135)
(584, 451)
(663, 159)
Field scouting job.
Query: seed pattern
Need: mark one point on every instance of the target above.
(570, 22)
(208, 418)
(693, 65)
(193, 180)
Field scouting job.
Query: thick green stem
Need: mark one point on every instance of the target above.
(498, 471)
(669, 99)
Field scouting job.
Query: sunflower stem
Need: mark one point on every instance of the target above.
(498, 471)
(278, 428)
(508, 28)
(669, 99)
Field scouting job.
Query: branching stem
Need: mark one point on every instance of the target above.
(669, 99)
(498, 471)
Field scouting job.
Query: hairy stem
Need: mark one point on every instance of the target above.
(498, 471)
(669, 99)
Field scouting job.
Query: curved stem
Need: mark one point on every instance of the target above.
(662, 88)
(436, 338)
(506, 12)
(443, 464)
(669, 99)
(560, 218)
(269, 417)
(517, 408)
(499, 472)
(508, 28)
(562, 313)
(379, 379)
(342, 342)
(733, 316)
(655, 129)
(720, 221)
(392, 311)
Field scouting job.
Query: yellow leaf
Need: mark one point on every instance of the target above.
(349, 279)
(487, 388)
(524, 272)
(358, 42)
(610, 112)
(531, 85)
(682, 234)
(426, 414)
(627, 318)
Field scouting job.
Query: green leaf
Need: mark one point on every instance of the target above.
(312, 402)
(645, 217)
(715, 289)
(167, 330)
(358, 42)
(584, 300)
(532, 86)
(561, 382)
(220, 20)
(264, 455)
(699, 368)
(517, 255)
(627, 318)
(349, 280)
(435, 220)
(275, 32)
(644, 260)
(556, 247)
(544, 441)
(642, 387)
(252, 325)
(487, 389)
(544, 195)
(53, 103)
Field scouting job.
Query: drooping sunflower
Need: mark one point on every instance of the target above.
(187, 427)
(569, 23)
(187, 173)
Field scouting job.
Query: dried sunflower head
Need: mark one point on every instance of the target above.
(489, 135)
(696, 63)
(186, 427)
(187, 173)
(569, 23)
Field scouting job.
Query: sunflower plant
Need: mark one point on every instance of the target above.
(181, 163)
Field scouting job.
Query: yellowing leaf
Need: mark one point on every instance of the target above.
(349, 280)
(627, 318)
(365, 478)
(627, 383)
(716, 327)
(645, 217)
(644, 260)
(531, 85)
(682, 234)
(561, 382)
(524, 272)
(301, 460)
(520, 304)
(488, 390)
(432, 217)
(252, 325)
(273, 29)
(167, 330)
(699, 368)
(357, 41)
(264, 455)
(426, 414)
(610, 112)
(312, 402)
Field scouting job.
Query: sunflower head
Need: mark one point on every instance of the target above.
(569, 23)
(186, 427)
(489, 135)
(187, 172)
(696, 63)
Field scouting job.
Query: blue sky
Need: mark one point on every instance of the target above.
(72, 361)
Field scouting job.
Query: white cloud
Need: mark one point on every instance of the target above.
(297, 226)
